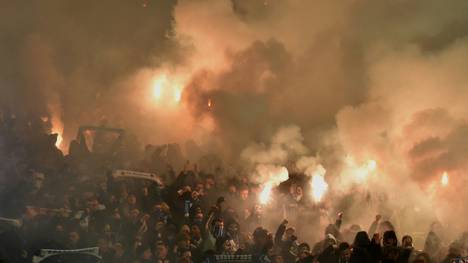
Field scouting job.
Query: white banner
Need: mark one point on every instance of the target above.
(11, 221)
(135, 174)
(45, 253)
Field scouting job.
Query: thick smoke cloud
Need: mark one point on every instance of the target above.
(66, 58)
(371, 80)
(364, 80)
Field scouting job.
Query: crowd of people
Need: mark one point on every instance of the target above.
(55, 201)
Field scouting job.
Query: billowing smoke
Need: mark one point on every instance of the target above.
(371, 94)
(64, 60)
(376, 88)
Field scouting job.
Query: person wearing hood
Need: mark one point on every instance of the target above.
(390, 251)
(304, 254)
(262, 243)
(361, 248)
(344, 253)
(407, 251)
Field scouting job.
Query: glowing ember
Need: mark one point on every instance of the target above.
(319, 185)
(265, 194)
(445, 179)
(209, 103)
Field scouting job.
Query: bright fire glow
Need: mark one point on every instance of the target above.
(360, 172)
(318, 184)
(59, 140)
(167, 89)
(177, 95)
(209, 103)
(274, 175)
(371, 165)
(265, 194)
(57, 127)
(158, 86)
(445, 179)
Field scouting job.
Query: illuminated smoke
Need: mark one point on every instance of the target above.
(390, 93)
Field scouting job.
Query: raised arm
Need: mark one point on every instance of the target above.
(280, 231)
(339, 220)
(209, 222)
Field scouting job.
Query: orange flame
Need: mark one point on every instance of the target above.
(209, 103)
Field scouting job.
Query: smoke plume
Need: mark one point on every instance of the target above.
(373, 92)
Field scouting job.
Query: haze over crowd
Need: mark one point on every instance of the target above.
(369, 94)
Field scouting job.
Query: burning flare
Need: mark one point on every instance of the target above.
(59, 141)
(265, 194)
(371, 165)
(318, 184)
(445, 179)
(57, 127)
(167, 89)
(274, 175)
(360, 172)
(209, 103)
(158, 86)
